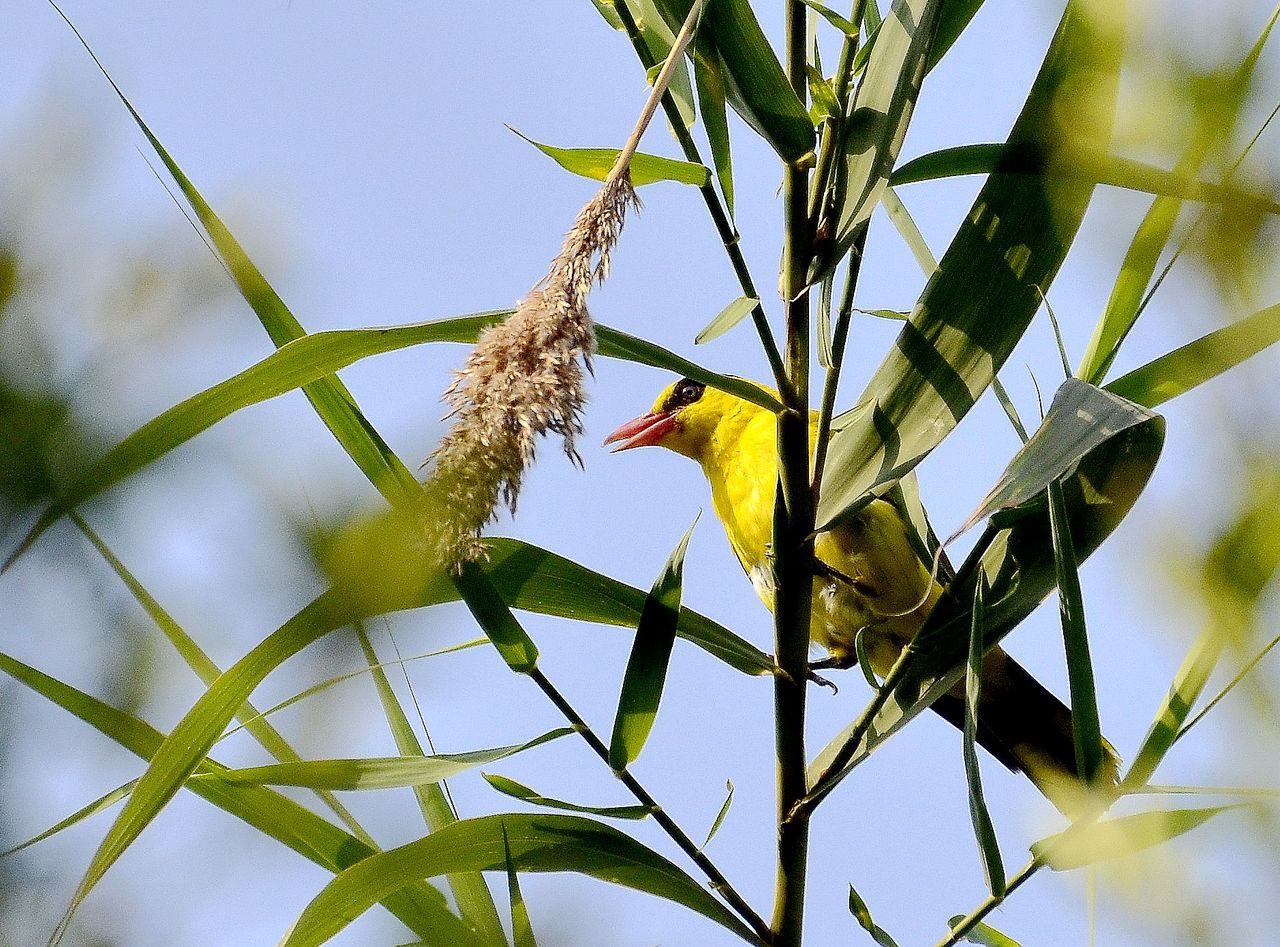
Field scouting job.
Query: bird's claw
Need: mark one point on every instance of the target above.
(821, 681)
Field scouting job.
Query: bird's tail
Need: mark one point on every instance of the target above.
(1028, 729)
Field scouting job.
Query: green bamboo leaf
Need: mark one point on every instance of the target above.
(835, 19)
(1193, 364)
(822, 94)
(984, 829)
(726, 319)
(893, 315)
(536, 843)
(1074, 164)
(1126, 301)
(510, 787)
(521, 928)
(1086, 729)
(876, 124)
(470, 893)
(596, 163)
(983, 934)
(862, 914)
(755, 83)
(910, 233)
(1080, 419)
(720, 816)
(709, 78)
(494, 617)
(98, 805)
(650, 655)
(952, 20)
(420, 907)
(983, 296)
(1087, 843)
(607, 10)
(379, 772)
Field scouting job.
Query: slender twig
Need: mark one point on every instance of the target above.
(839, 338)
(677, 835)
(728, 232)
(793, 529)
(986, 907)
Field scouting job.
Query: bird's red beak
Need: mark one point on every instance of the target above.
(644, 431)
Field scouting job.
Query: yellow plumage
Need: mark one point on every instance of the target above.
(868, 577)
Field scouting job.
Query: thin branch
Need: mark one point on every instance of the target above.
(687, 845)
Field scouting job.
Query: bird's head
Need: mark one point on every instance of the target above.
(682, 419)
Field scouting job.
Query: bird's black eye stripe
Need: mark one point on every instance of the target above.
(687, 391)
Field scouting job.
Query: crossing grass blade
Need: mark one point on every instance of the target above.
(382, 772)
(509, 787)
(985, 292)
(646, 673)
(521, 927)
(1087, 843)
(535, 843)
(984, 829)
(421, 908)
(470, 893)
(100, 804)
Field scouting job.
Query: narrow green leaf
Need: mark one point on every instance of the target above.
(983, 296)
(470, 893)
(755, 85)
(822, 95)
(521, 928)
(1074, 164)
(709, 79)
(494, 617)
(876, 124)
(983, 934)
(910, 233)
(832, 17)
(1188, 683)
(379, 772)
(862, 914)
(726, 319)
(650, 655)
(1193, 364)
(1010, 409)
(519, 791)
(596, 163)
(98, 805)
(952, 20)
(1080, 418)
(719, 819)
(1086, 728)
(984, 829)
(826, 357)
(535, 842)
(1087, 843)
(420, 907)
(893, 315)
(607, 10)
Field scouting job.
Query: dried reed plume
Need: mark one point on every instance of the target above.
(524, 378)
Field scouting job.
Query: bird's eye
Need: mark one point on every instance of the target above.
(687, 391)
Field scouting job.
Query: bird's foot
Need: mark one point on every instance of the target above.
(821, 681)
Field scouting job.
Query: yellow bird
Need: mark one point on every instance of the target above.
(868, 579)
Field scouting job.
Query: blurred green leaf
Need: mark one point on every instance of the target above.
(755, 84)
(421, 908)
(984, 294)
(646, 673)
(1193, 364)
(875, 125)
(98, 805)
(596, 163)
(726, 319)
(379, 772)
(510, 787)
(862, 914)
(984, 829)
(535, 842)
(1086, 843)
(1076, 165)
